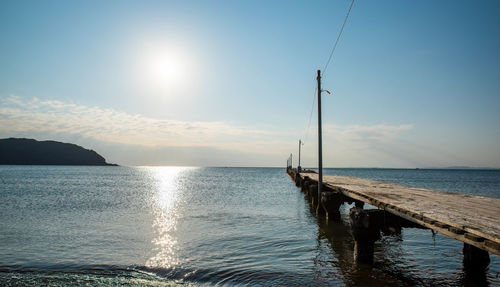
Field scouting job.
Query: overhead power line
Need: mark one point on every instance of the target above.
(310, 115)
(325, 68)
(338, 38)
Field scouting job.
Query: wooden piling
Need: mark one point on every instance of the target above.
(365, 231)
(475, 262)
(330, 204)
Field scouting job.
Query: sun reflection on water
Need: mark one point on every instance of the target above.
(165, 199)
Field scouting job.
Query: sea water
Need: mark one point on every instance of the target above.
(163, 226)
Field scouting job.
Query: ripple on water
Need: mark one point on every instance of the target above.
(204, 226)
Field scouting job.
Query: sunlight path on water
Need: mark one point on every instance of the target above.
(164, 205)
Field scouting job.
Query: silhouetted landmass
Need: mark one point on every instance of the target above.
(20, 151)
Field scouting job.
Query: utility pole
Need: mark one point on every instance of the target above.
(320, 141)
(299, 168)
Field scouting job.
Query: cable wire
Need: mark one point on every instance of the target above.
(310, 114)
(324, 69)
(338, 38)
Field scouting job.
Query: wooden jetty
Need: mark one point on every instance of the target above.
(472, 219)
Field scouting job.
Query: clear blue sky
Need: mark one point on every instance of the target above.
(415, 83)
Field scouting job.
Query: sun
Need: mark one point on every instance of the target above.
(166, 68)
(163, 67)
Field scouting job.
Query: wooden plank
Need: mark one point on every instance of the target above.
(469, 218)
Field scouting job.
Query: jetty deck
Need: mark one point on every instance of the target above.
(472, 219)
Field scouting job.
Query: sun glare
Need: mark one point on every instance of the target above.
(164, 67)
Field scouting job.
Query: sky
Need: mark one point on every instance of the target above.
(232, 83)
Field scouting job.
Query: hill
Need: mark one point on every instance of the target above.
(21, 151)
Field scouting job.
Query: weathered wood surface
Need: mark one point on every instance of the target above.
(472, 219)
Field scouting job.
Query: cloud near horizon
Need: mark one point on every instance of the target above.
(114, 126)
(138, 140)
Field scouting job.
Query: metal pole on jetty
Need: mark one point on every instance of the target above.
(299, 168)
(320, 149)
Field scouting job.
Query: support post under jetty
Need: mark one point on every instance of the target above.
(365, 230)
(454, 215)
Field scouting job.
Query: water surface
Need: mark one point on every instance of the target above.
(206, 226)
